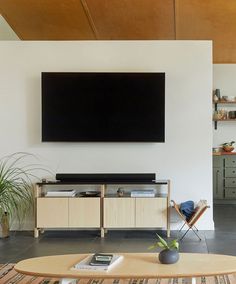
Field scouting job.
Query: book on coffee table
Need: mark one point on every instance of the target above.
(107, 261)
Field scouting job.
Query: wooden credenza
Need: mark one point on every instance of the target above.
(108, 211)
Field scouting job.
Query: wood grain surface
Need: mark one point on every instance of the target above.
(133, 265)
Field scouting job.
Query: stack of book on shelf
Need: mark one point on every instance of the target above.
(98, 262)
(61, 193)
(143, 193)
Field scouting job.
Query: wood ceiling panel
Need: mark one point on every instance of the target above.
(209, 19)
(132, 19)
(47, 19)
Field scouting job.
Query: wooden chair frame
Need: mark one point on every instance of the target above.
(192, 221)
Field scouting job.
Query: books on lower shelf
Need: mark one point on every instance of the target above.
(142, 193)
(61, 193)
(88, 263)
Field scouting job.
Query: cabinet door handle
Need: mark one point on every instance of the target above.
(217, 173)
(233, 172)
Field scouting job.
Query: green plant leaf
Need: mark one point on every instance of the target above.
(163, 242)
(152, 247)
(161, 245)
(228, 143)
(174, 244)
(16, 185)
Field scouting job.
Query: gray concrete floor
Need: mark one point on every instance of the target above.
(22, 245)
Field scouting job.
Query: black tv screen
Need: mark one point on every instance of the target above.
(103, 107)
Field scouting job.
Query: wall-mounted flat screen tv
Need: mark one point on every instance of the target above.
(103, 107)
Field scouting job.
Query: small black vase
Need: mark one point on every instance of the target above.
(167, 256)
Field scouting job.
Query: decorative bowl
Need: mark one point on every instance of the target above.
(228, 148)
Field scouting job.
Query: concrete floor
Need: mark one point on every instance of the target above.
(22, 245)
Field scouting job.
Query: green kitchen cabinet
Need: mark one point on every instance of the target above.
(218, 183)
(224, 178)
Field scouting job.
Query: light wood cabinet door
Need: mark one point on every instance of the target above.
(52, 212)
(119, 212)
(151, 212)
(84, 212)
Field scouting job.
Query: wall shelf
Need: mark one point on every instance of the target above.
(216, 108)
(227, 119)
(225, 102)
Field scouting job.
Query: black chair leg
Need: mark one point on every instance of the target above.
(196, 228)
(184, 234)
(188, 231)
(181, 227)
(196, 234)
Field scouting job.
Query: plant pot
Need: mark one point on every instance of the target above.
(167, 256)
(4, 226)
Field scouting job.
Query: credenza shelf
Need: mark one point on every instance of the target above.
(105, 212)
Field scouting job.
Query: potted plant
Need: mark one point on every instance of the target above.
(169, 254)
(16, 189)
(228, 146)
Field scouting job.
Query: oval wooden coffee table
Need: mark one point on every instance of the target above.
(133, 265)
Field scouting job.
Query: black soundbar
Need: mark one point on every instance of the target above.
(106, 178)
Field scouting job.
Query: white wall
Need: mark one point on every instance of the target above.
(185, 157)
(224, 79)
(6, 32)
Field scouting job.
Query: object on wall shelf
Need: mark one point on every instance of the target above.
(217, 94)
(222, 114)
